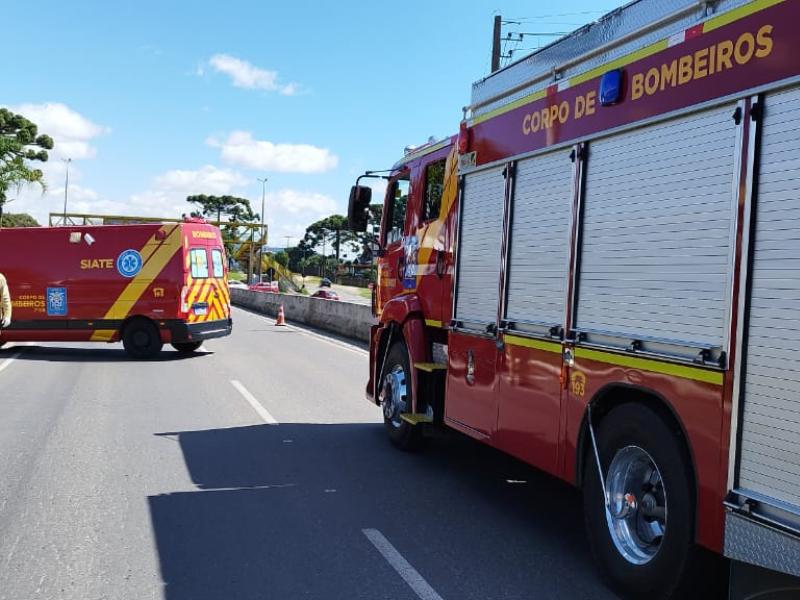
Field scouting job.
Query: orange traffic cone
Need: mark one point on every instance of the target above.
(281, 320)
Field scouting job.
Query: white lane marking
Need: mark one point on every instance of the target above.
(262, 412)
(322, 338)
(9, 360)
(409, 574)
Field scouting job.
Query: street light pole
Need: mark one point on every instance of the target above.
(66, 189)
(261, 238)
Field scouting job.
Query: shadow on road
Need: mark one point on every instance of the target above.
(280, 511)
(92, 355)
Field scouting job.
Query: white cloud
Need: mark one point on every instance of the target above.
(206, 180)
(289, 212)
(71, 131)
(39, 203)
(167, 196)
(296, 202)
(378, 189)
(248, 76)
(241, 149)
(73, 134)
(77, 193)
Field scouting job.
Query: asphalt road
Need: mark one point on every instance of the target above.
(167, 479)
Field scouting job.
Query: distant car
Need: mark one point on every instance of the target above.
(326, 294)
(233, 283)
(266, 286)
(325, 282)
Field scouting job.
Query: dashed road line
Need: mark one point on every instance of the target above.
(262, 412)
(409, 574)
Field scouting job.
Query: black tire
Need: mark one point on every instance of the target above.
(141, 339)
(402, 434)
(670, 572)
(186, 347)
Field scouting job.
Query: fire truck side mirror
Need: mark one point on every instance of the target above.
(358, 207)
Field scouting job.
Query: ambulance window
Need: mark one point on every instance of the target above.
(199, 261)
(398, 201)
(216, 262)
(434, 185)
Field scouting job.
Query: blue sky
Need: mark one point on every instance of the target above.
(157, 100)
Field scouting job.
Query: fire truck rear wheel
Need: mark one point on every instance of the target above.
(141, 339)
(186, 347)
(644, 542)
(395, 397)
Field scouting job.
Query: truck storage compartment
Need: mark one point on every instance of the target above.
(763, 522)
(539, 239)
(657, 240)
(479, 254)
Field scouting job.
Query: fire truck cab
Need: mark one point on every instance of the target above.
(600, 275)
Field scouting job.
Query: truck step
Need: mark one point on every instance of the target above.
(430, 367)
(415, 418)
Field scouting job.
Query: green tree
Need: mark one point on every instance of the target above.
(374, 219)
(18, 220)
(297, 254)
(331, 231)
(20, 144)
(237, 209)
(282, 258)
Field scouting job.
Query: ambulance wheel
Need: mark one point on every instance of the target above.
(395, 398)
(186, 347)
(141, 339)
(644, 542)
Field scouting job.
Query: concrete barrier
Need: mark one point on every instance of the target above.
(345, 318)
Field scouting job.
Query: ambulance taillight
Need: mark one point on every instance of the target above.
(184, 296)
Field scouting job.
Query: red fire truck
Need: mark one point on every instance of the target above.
(600, 275)
(145, 285)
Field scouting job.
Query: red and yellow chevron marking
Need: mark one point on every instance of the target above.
(214, 292)
(155, 256)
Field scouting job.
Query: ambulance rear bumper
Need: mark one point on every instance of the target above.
(195, 332)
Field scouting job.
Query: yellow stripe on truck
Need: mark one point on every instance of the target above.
(103, 335)
(738, 13)
(129, 296)
(653, 366)
(514, 340)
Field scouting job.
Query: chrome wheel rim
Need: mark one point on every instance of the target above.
(393, 395)
(637, 505)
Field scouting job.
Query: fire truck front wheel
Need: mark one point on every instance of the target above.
(141, 339)
(395, 399)
(641, 530)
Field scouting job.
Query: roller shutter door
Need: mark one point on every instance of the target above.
(770, 440)
(480, 238)
(658, 218)
(540, 236)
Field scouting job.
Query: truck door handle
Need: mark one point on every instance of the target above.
(439, 263)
